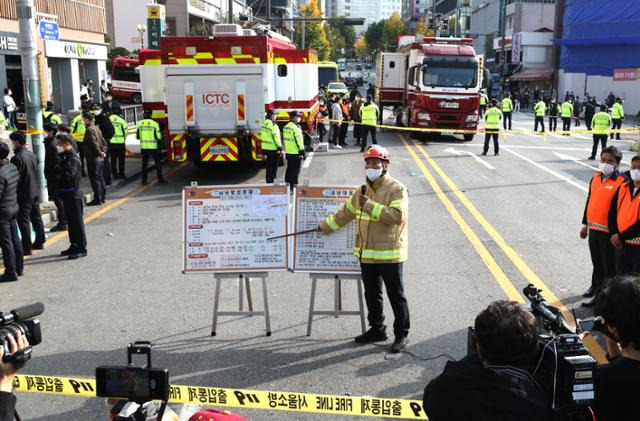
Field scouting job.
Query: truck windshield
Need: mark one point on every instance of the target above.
(327, 74)
(450, 72)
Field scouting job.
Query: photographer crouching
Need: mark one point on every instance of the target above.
(8, 372)
(617, 384)
(494, 382)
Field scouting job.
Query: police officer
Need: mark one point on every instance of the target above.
(539, 109)
(566, 111)
(68, 184)
(293, 148)
(77, 131)
(626, 239)
(492, 127)
(617, 115)
(553, 115)
(380, 208)
(484, 100)
(507, 109)
(271, 145)
(148, 132)
(601, 124)
(602, 191)
(117, 147)
(48, 116)
(369, 115)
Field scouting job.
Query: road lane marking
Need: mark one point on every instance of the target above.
(574, 183)
(576, 160)
(307, 161)
(596, 351)
(558, 148)
(474, 156)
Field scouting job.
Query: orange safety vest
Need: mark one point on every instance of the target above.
(601, 195)
(628, 212)
(345, 110)
(322, 117)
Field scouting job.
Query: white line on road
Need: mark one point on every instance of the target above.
(576, 160)
(307, 161)
(476, 157)
(550, 171)
(559, 148)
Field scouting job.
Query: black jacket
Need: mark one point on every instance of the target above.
(69, 175)
(467, 391)
(9, 178)
(106, 127)
(27, 164)
(51, 159)
(7, 406)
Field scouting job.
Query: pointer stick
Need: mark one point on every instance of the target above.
(293, 233)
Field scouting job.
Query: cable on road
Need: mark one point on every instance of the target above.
(418, 357)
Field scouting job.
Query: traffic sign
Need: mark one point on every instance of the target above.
(49, 30)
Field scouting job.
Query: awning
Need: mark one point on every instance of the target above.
(532, 74)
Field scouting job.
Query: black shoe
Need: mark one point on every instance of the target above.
(399, 344)
(38, 246)
(58, 228)
(589, 304)
(590, 293)
(361, 150)
(372, 335)
(122, 176)
(67, 252)
(9, 277)
(163, 182)
(496, 154)
(77, 255)
(592, 158)
(20, 272)
(27, 253)
(483, 154)
(95, 202)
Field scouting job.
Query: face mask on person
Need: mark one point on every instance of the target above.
(606, 168)
(374, 173)
(635, 175)
(59, 148)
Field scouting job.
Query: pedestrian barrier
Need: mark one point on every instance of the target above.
(241, 398)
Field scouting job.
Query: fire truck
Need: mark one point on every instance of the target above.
(125, 79)
(432, 82)
(210, 94)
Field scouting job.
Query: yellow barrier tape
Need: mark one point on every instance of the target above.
(241, 398)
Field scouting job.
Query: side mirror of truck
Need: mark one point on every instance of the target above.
(414, 76)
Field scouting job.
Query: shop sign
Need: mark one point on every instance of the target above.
(8, 42)
(65, 49)
(49, 30)
(620, 75)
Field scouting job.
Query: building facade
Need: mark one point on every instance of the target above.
(370, 10)
(79, 54)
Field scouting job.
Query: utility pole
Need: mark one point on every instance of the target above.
(230, 16)
(269, 12)
(30, 80)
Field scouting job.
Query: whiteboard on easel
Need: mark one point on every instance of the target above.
(317, 252)
(225, 228)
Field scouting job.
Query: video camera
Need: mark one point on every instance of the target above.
(23, 320)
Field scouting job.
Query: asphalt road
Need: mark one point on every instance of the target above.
(480, 230)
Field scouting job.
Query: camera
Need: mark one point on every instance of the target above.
(23, 320)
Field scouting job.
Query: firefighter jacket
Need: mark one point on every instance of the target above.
(381, 230)
(601, 200)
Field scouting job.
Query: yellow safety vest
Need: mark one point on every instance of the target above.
(507, 105)
(293, 140)
(566, 110)
(617, 111)
(270, 136)
(121, 129)
(149, 134)
(52, 117)
(540, 109)
(484, 99)
(369, 114)
(601, 123)
(4, 123)
(78, 128)
(492, 119)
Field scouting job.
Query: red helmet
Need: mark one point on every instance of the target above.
(216, 415)
(378, 152)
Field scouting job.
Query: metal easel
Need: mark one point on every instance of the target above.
(243, 281)
(337, 289)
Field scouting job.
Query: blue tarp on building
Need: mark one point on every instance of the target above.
(599, 36)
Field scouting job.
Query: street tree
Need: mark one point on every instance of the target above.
(347, 32)
(336, 40)
(393, 27)
(421, 27)
(373, 35)
(315, 35)
(361, 48)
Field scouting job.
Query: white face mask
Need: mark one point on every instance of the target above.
(374, 173)
(59, 148)
(635, 175)
(605, 168)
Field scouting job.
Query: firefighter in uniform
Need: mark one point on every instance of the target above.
(507, 109)
(117, 147)
(596, 219)
(48, 116)
(271, 144)
(626, 240)
(369, 116)
(566, 111)
(617, 115)
(539, 109)
(148, 132)
(380, 208)
(293, 148)
(484, 100)
(601, 122)
(492, 127)
(77, 130)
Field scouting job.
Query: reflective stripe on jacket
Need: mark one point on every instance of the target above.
(601, 123)
(566, 110)
(628, 211)
(617, 111)
(293, 140)
(270, 136)
(507, 105)
(77, 128)
(382, 222)
(369, 114)
(540, 109)
(492, 118)
(601, 194)
(148, 131)
(120, 128)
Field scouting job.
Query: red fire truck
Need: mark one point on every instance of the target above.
(432, 83)
(210, 94)
(125, 79)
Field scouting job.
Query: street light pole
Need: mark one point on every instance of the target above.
(503, 59)
(141, 30)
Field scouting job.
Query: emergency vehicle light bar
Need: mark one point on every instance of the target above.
(452, 41)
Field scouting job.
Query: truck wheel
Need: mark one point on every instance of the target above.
(468, 137)
(137, 98)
